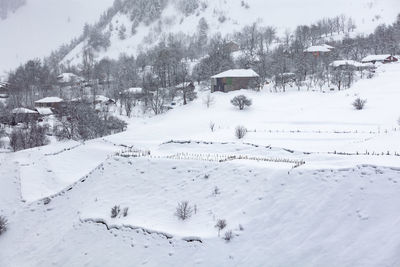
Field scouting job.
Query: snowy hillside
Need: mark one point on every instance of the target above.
(41, 26)
(336, 208)
(225, 17)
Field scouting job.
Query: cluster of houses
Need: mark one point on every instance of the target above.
(52, 105)
(237, 79)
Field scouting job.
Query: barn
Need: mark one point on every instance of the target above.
(380, 59)
(235, 79)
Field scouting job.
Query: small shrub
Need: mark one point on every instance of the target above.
(228, 236)
(359, 103)
(241, 101)
(3, 224)
(240, 132)
(216, 191)
(212, 126)
(125, 212)
(115, 211)
(183, 211)
(46, 201)
(241, 228)
(221, 224)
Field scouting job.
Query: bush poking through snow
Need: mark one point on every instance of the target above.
(183, 211)
(216, 191)
(359, 103)
(241, 101)
(221, 224)
(46, 201)
(212, 126)
(241, 228)
(3, 224)
(125, 212)
(209, 101)
(115, 211)
(240, 132)
(228, 236)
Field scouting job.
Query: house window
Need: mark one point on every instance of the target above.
(229, 81)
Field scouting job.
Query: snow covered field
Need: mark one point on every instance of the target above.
(338, 209)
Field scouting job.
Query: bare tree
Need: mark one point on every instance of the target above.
(157, 101)
(240, 132)
(183, 211)
(359, 103)
(241, 102)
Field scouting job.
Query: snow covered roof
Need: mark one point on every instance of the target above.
(102, 98)
(339, 63)
(375, 58)
(319, 48)
(134, 90)
(68, 77)
(23, 111)
(52, 99)
(237, 73)
(44, 111)
(328, 46)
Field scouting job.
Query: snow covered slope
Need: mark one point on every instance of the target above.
(279, 217)
(284, 15)
(41, 26)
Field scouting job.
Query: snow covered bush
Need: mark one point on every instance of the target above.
(125, 212)
(240, 132)
(221, 224)
(241, 101)
(33, 136)
(228, 236)
(359, 103)
(115, 211)
(3, 224)
(184, 211)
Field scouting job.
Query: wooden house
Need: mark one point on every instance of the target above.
(235, 79)
(379, 59)
(19, 115)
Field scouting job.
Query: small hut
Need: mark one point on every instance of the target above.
(235, 79)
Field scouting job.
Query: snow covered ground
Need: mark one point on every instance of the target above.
(338, 209)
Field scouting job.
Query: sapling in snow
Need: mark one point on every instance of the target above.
(115, 211)
(3, 224)
(228, 236)
(221, 224)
